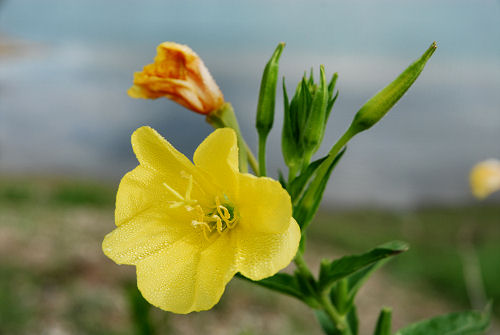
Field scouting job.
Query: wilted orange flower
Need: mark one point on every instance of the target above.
(180, 75)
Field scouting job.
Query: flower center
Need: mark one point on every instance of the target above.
(217, 218)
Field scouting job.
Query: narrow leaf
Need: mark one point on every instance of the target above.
(352, 320)
(463, 323)
(326, 324)
(298, 184)
(308, 204)
(383, 326)
(357, 279)
(345, 266)
(281, 282)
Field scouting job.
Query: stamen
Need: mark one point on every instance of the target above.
(174, 192)
(219, 219)
(189, 188)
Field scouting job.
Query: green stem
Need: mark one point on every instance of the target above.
(262, 155)
(252, 160)
(302, 266)
(292, 172)
(331, 311)
(350, 132)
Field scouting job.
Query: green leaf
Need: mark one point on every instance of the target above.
(281, 179)
(383, 326)
(352, 320)
(307, 286)
(357, 279)
(140, 310)
(463, 323)
(332, 271)
(308, 204)
(326, 323)
(281, 282)
(298, 184)
(330, 329)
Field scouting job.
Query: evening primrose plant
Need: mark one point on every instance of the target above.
(190, 227)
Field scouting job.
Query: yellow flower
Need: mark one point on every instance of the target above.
(180, 75)
(485, 178)
(189, 229)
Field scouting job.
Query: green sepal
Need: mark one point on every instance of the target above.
(290, 146)
(267, 93)
(462, 323)
(375, 108)
(308, 204)
(330, 272)
(383, 326)
(332, 98)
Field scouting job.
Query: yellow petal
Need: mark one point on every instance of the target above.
(156, 153)
(147, 233)
(261, 255)
(263, 204)
(485, 178)
(217, 155)
(143, 189)
(185, 278)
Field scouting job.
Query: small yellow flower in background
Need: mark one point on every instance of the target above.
(485, 178)
(189, 229)
(180, 75)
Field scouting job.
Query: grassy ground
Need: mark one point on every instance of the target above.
(54, 278)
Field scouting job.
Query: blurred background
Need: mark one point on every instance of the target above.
(66, 121)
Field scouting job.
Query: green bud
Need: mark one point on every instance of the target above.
(289, 145)
(315, 124)
(265, 107)
(267, 94)
(384, 322)
(305, 120)
(375, 108)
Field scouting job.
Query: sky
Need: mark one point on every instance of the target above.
(64, 108)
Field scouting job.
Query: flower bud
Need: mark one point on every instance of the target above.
(180, 75)
(267, 94)
(375, 108)
(305, 119)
